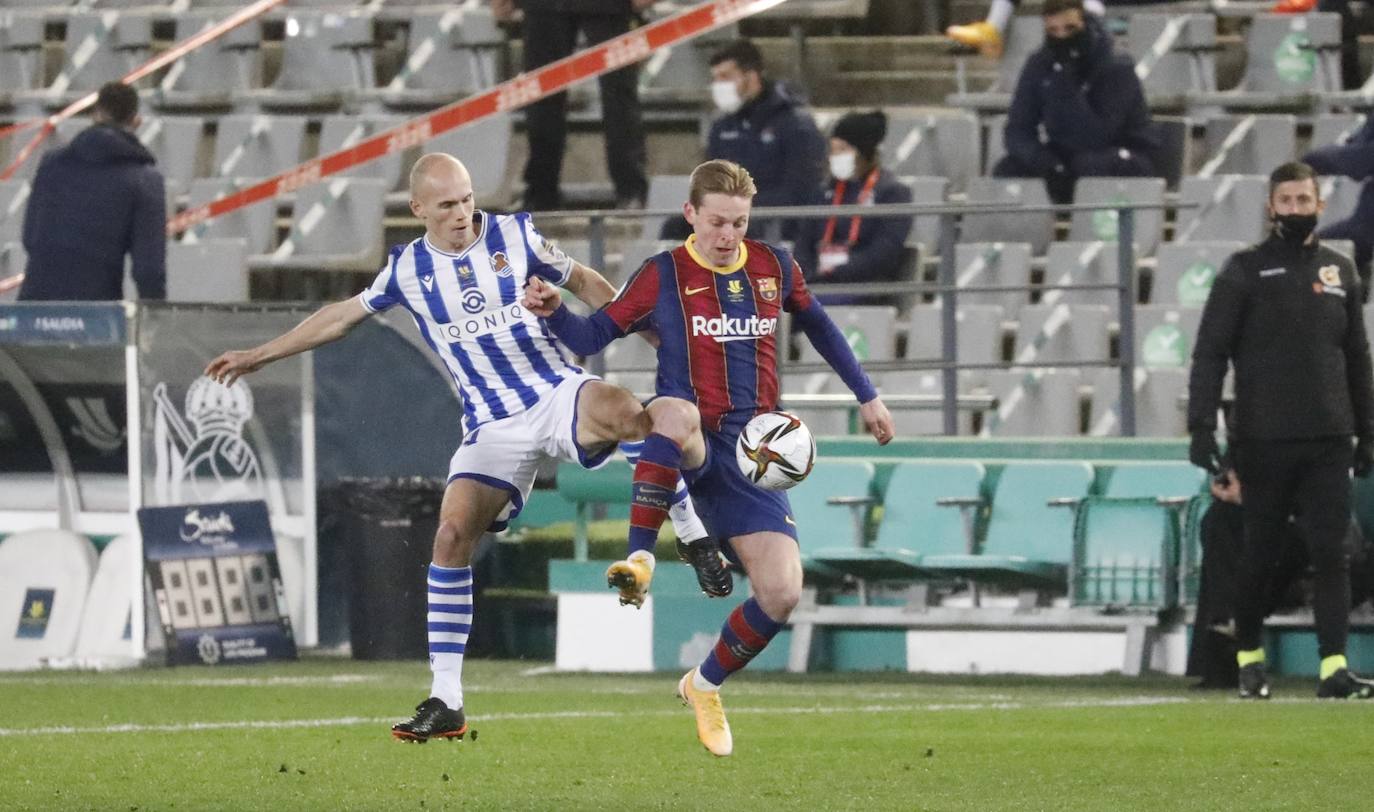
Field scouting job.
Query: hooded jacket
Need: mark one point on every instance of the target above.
(1087, 104)
(774, 138)
(93, 201)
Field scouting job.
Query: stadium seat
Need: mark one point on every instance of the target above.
(1023, 37)
(1184, 272)
(175, 143)
(1102, 224)
(1341, 195)
(1062, 333)
(925, 230)
(1028, 544)
(931, 508)
(1332, 129)
(12, 262)
(14, 196)
(339, 132)
(253, 224)
(1036, 228)
(978, 333)
(1250, 144)
(932, 145)
(635, 253)
(824, 421)
(257, 146)
(21, 49)
(214, 270)
(44, 577)
(1135, 480)
(1164, 335)
(1173, 54)
(823, 525)
(211, 75)
(678, 77)
(1159, 402)
(871, 331)
(1036, 402)
(336, 225)
(1224, 207)
(451, 53)
(1083, 263)
(914, 422)
(326, 63)
(665, 192)
(993, 264)
(484, 147)
(99, 47)
(1292, 59)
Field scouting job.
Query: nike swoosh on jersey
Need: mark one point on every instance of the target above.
(694, 291)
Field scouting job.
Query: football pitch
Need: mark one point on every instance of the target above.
(314, 735)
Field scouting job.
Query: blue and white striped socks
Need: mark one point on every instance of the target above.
(450, 621)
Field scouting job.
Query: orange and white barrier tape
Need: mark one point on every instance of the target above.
(512, 94)
(238, 18)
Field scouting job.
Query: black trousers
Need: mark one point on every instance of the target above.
(1311, 480)
(550, 36)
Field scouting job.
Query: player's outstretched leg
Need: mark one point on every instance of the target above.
(432, 720)
(695, 546)
(631, 577)
(655, 480)
(713, 730)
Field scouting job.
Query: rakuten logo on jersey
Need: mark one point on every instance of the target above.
(728, 328)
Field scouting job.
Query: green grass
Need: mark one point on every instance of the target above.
(558, 741)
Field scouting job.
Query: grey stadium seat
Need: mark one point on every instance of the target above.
(253, 224)
(1341, 195)
(665, 192)
(99, 47)
(993, 264)
(336, 225)
(925, 231)
(21, 49)
(1173, 55)
(1292, 60)
(326, 65)
(1034, 403)
(1226, 207)
(824, 421)
(1164, 336)
(257, 146)
(870, 330)
(209, 76)
(12, 262)
(485, 148)
(1184, 271)
(1102, 224)
(1023, 37)
(207, 271)
(1062, 332)
(914, 422)
(1251, 144)
(1036, 228)
(1159, 404)
(175, 143)
(1083, 263)
(451, 53)
(978, 333)
(339, 132)
(943, 145)
(1329, 129)
(14, 196)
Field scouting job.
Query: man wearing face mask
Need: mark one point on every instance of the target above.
(1286, 315)
(1078, 109)
(856, 249)
(766, 130)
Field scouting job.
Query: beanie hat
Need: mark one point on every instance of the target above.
(863, 131)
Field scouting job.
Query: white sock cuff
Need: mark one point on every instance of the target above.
(999, 13)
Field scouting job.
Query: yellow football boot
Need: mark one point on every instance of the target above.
(712, 729)
(982, 35)
(631, 577)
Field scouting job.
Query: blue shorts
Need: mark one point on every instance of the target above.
(728, 503)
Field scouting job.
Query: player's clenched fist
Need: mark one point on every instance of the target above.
(541, 298)
(232, 365)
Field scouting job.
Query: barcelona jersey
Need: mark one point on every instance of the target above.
(718, 326)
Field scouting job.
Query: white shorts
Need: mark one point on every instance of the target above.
(506, 453)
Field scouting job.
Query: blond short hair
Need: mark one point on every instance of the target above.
(720, 177)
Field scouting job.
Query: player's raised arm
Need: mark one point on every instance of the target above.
(330, 323)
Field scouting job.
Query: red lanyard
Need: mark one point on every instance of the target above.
(865, 196)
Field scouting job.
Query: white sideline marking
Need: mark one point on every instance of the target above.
(287, 724)
(203, 682)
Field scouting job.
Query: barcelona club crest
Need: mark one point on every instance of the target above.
(768, 289)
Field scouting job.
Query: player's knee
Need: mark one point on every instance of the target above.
(777, 600)
(451, 548)
(627, 418)
(675, 419)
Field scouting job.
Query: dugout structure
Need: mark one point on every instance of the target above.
(104, 410)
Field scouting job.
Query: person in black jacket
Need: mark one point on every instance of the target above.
(1353, 158)
(766, 130)
(1088, 102)
(1286, 315)
(550, 33)
(856, 249)
(94, 201)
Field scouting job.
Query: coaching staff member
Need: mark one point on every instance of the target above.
(1286, 313)
(93, 201)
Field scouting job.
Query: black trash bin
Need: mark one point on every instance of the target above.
(386, 530)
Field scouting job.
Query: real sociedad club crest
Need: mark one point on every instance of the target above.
(209, 460)
(501, 264)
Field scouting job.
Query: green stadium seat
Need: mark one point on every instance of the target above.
(1028, 544)
(831, 509)
(930, 509)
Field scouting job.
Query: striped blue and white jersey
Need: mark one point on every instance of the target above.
(467, 307)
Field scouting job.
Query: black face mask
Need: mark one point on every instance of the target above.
(1294, 229)
(1070, 48)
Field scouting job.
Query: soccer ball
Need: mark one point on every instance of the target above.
(775, 451)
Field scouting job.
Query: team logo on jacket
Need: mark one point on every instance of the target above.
(1330, 276)
(768, 288)
(730, 328)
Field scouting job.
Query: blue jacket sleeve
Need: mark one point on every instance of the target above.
(826, 337)
(148, 243)
(583, 335)
(1022, 135)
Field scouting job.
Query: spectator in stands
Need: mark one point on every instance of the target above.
(986, 35)
(551, 28)
(94, 201)
(1353, 159)
(1088, 102)
(764, 128)
(856, 249)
